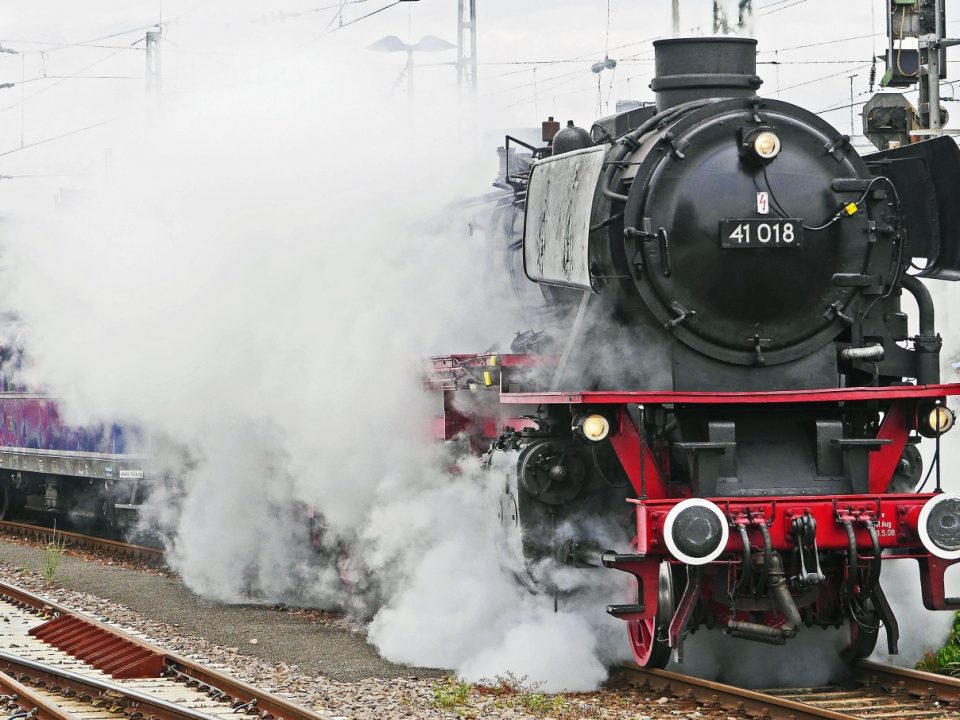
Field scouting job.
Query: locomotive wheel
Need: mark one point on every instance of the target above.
(648, 638)
(863, 634)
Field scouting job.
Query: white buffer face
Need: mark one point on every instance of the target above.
(939, 526)
(696, 531)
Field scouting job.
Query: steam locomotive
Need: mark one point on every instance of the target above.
(727, 391)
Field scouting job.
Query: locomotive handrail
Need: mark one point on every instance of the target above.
(665, 397)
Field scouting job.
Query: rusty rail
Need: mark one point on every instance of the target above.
(17, 695)
(904, 680)
(255, 702)
(121, 698)
(139, 553)
(871, 691)
(738, 702)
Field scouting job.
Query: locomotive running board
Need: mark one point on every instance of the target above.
(664, 397)
(117, 656)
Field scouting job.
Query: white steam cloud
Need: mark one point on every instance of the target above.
(458, 608)
(257, 282)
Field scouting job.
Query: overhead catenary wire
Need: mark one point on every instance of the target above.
(576, 58)
(540, 85)
(578, 72)
(766, 5)
(824, 77)
(64, 78)
(55, 137)
(788, 62)
(628, 78)
(774, 3)
(287, 15)
(631, 60)
(60, 46)
(338, 16)
(842, 107)
(543, 87)
(298, 48)
(40, 78)
(44, 175)
(330, 31)
(564, 79)
(783, 7)
(821, 43)
(85, 43)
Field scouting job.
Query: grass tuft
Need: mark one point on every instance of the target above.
(52, 556)
(453, 693)
(946, 660)
(516, 693)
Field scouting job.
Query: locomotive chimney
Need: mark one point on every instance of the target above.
(698, 68)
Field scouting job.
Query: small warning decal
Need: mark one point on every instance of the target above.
(763, 203)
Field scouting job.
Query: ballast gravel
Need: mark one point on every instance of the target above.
(357, 689)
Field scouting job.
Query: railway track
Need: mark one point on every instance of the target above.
(115, 548)
(872, 691)
(59, 664)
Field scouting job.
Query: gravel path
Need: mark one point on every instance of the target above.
(280, 636)
(321, 664)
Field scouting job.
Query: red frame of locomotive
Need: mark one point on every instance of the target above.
(894, 517)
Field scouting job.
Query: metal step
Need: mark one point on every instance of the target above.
(626, 612)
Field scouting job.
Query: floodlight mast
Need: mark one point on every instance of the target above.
(467, 46)
(152, 44)
(428, 43)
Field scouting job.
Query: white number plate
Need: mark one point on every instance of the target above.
(781, 233)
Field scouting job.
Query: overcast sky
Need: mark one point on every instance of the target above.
(535, 58)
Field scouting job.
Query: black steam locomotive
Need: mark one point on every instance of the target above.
(727, 363)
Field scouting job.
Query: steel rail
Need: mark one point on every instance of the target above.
(145, 553)
(31, 703)
(946, 689)
(722, 696)
(266, 705)
(48, 677)
(873, 690)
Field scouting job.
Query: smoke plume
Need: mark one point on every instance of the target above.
(256, 285)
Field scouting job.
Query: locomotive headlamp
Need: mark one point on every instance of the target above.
(941, 419)
(696, 531)
(759, 145)
(595, 427)
(766, 145)
(939, 526)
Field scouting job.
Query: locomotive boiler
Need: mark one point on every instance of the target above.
(730, 402)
